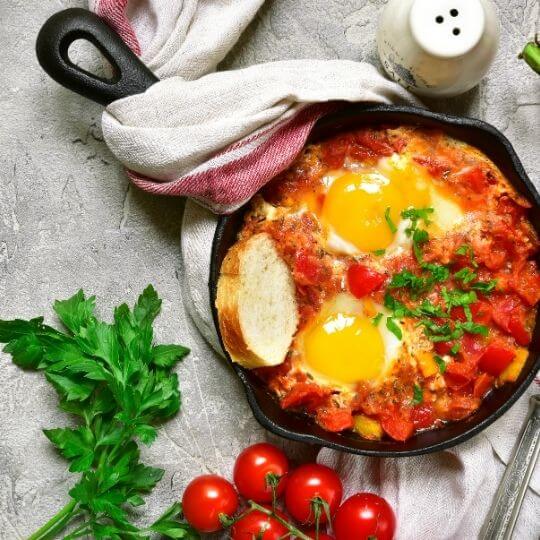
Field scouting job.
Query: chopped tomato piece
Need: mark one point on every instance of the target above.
(458, 375)
(472, 348)
(306, 268)
(335, 419)
(363, 280)
(526, 283)
(423, 416)
(462, 406)
(480, 311)
(519, 332)
(444, 347)
(509, 314)
(374, 141)
(398, 425)
(496, 358)
(475, 178)
(305, 394)
(437, 167)
(482, 385)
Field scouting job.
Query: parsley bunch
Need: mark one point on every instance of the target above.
(119, 385)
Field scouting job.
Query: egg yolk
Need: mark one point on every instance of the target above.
(356, 204)
(345, 348)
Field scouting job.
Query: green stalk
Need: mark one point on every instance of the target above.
(291, 528)
(56, 523)
(531, 54)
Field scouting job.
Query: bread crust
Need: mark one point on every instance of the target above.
(227, 304)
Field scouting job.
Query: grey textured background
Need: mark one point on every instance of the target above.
(68, 219)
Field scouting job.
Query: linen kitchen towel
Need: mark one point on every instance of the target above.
(218, 136)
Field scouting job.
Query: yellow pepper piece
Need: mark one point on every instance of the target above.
(427, 364)
(367, 427)
(511, 373)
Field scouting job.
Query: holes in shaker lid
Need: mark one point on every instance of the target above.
(439, 19)
(454, 12)
(456, 31)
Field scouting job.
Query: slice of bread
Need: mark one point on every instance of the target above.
(256, 303)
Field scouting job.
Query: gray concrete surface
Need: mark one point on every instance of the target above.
(69, 219)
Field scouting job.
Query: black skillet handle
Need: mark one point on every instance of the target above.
(130, 75)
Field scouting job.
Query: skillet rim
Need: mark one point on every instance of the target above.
(472, 430)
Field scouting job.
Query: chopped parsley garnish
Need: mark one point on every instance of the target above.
(416, 214)
(407, 279)
(377, 319)
(441, 363)
(391, 225)
(465, 275)
(418, 395)
(455, 349)
(419, 237)
(379, 252)
(484, 286)
(394, 327)
(465, 250)
(438, 272)
(457, 297)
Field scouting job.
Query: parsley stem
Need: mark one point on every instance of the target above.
(57, 522)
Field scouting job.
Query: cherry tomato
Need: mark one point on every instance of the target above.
(322, 535)
(258, 525)
(205, 498)
(364, 515)
(252, 467)
(307, 483)
(363, 280)
(444, 347)
(496, 359)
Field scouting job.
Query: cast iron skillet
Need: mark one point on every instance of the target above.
(132, 77)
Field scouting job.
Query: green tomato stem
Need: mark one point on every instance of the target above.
(531, 54)
(291, 528)
(56, 523)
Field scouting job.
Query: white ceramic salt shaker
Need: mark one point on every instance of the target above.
(438, 48)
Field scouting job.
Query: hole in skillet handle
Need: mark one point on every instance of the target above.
(130, 75)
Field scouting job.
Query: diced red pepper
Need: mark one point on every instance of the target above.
(423, 416)
(496, 358)
(363, 280)
(335, 419)
(482, 385)
(519, 332)
(373, 140)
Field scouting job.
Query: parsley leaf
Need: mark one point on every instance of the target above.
(465, 250)
(391, 225)
(440, 363)
(420, 237)
(379, 252)
(394, 327)
(418, 395)
(377, 319)
(484, 287)
(415, 215)
(119, 385)
(465, 275)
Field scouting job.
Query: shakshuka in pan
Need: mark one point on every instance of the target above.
(385, 283)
